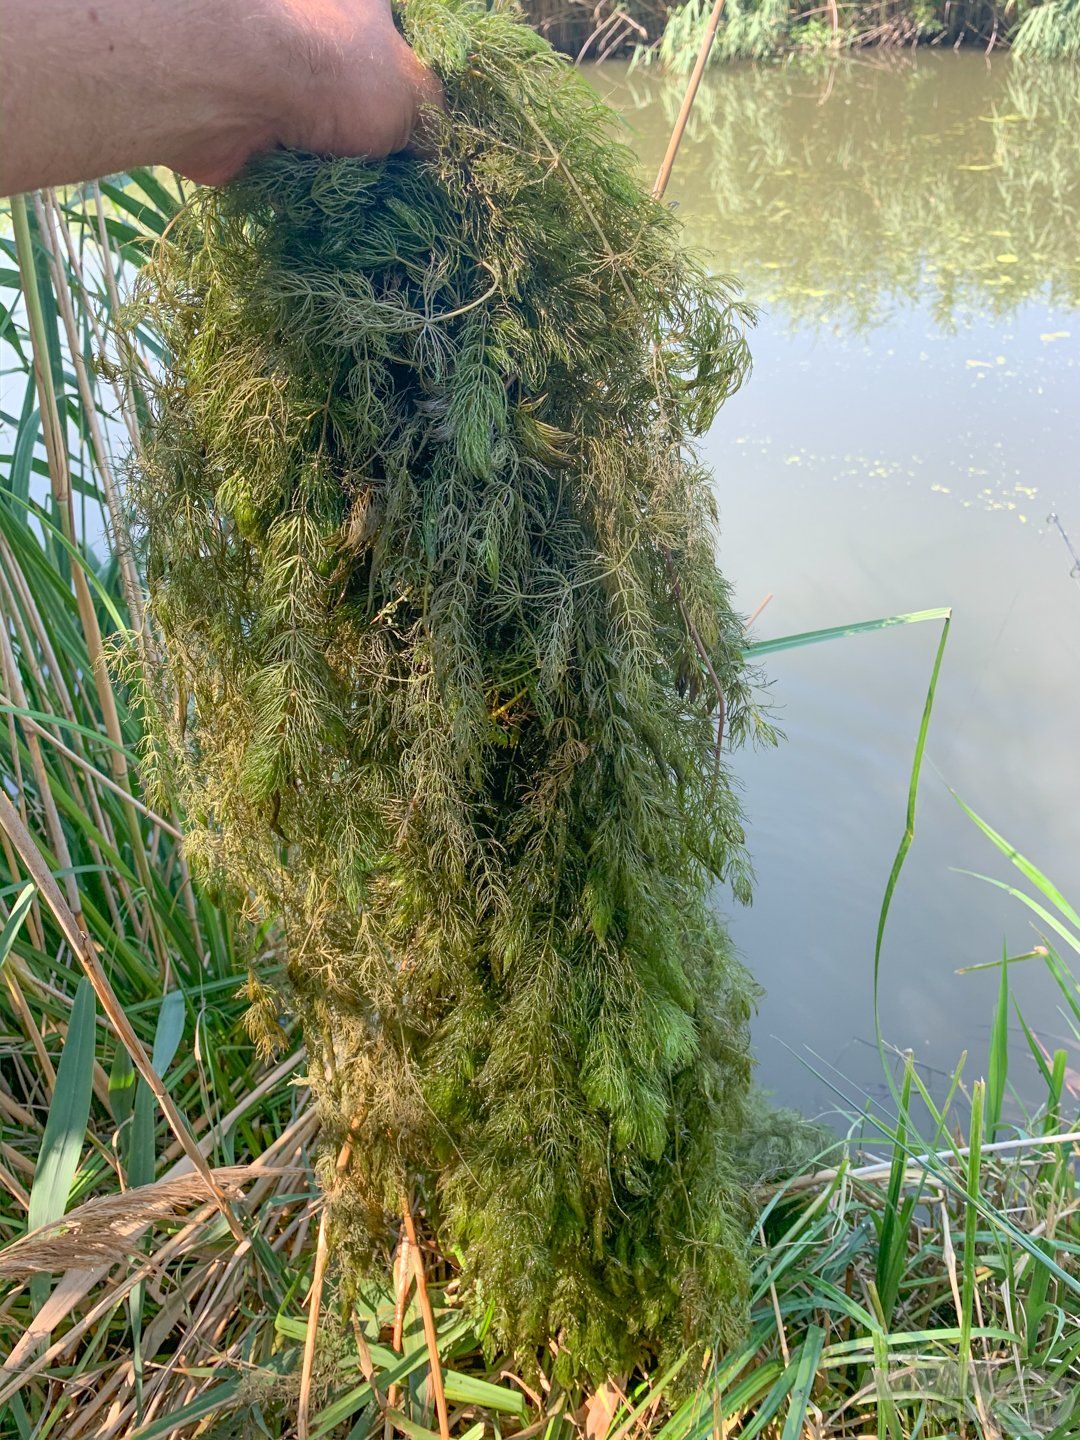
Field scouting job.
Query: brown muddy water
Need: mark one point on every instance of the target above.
(911, 232)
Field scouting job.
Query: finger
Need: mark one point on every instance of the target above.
(428, 96)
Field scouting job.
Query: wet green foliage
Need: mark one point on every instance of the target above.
(435, 566)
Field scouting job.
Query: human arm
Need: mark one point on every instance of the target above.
(91, 87)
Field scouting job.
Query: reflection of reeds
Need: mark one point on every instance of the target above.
(843, 192)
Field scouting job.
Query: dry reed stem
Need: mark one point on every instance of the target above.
(428, 1318)
(128, 355)
(688, 102)
(402, 1270)
(47, 674)
(76, 1285)
(30, 1026)
(123, 547)
(122, 540)
(55, 440)
(23, 1364)
(322, 1255)
(57, 837)
(778, 1314)
(917, 1165)
(98, 775)
(14, 1189)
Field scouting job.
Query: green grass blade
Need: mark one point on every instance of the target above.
(896, 1213)
(69, 1112)
(971, 1223)
(770, 1405)
(1033, 905)
(809, 1355)
(1055, 1084)
(888, 1420)
(909, 833)
(13, 924)
(1023, 864)
(26, 439)
(758, 648)
(998, 1063)
(65, 1128)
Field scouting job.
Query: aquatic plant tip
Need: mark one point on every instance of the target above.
(445, 648)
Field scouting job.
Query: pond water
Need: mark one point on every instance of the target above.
(911, 232)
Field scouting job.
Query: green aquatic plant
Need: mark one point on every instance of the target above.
(449, 666)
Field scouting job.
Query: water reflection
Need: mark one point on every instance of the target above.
(911, 233)
(841, 193)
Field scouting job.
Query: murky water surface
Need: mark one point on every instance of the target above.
(911, 232)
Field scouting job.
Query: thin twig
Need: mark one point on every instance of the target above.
(758, 611)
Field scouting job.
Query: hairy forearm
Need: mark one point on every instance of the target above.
(90, 87)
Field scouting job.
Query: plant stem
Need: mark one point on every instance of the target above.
(688, 101)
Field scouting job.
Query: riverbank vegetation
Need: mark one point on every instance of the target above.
(760, 29)
(755, 31)
(919, 1277)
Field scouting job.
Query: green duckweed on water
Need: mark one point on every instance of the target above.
(445, 643)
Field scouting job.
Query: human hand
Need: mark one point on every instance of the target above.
(199, 85)
(332, 76)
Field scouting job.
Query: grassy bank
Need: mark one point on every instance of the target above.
(920, 1279)
(760, 29)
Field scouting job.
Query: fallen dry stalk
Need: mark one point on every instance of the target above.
(101, 1231)
(919, 1164)
(23, 1363)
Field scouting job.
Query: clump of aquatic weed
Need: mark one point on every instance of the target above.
(446, 651)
